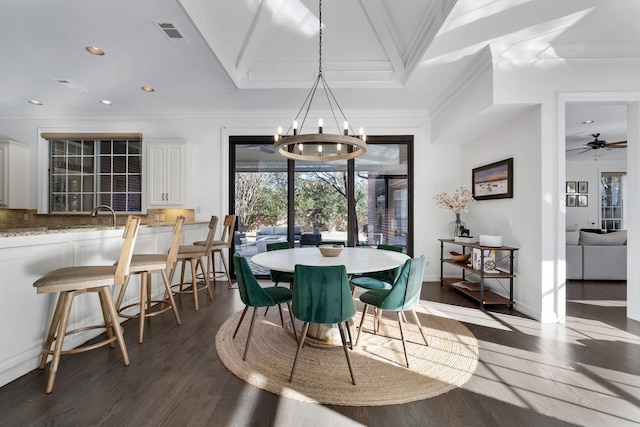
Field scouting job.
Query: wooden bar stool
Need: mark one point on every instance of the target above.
(145, 265)
(193, 254)
(218, 246)
(73, 281)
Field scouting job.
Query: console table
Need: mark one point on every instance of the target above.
(476, 289)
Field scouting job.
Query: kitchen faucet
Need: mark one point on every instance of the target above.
(98, 208)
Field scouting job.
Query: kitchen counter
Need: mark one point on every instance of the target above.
(27, 254)
(38, 231)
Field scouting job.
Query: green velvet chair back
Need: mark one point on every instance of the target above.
(277, 246)
(388, 276)
(331, 242)
(395, 248)
(322, 294)
(251, 292)
(279, 276)
(405, 293)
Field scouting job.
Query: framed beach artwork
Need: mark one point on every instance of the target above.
(493, 181)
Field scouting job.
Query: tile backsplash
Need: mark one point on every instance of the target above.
(28, 218)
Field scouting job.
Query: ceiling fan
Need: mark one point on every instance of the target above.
(597, 144)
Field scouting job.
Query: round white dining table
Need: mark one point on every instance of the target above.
(356, 260)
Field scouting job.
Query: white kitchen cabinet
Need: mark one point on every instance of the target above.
(14, 175)
(167, 174)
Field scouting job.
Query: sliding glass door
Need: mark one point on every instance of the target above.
(365, 201)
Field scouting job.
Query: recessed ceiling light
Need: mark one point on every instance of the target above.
(105, 101)
(147, 88)
(34, 102)
(586, 122)
(95, 50)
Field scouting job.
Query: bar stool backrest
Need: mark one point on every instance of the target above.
(228, 228)
(175, 243)
(213, 223)
(129, 235)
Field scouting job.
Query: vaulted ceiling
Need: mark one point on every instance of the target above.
(274, 44)
(206, 57)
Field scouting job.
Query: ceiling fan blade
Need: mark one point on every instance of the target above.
(576, 149)
(619, 144)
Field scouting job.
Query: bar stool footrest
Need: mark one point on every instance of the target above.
(147, 314)
(83, 348)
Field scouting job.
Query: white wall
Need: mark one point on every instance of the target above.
(494, 217)
(589, 171)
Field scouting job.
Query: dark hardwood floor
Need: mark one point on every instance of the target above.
(585, 372)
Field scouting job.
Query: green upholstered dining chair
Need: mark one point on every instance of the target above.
(331, 242)
(403, 296)
(322, 295)
(280, 276)
(253, 295)
(378, 279)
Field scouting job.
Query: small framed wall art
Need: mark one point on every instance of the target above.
(571, 200)
(583, 187)
(583, 201)
(571, 187)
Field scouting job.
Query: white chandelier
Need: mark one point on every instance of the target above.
(320, 147)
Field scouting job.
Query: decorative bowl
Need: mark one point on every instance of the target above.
(458, 257)
(330, 250)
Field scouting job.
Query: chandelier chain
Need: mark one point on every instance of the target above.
(320, 37)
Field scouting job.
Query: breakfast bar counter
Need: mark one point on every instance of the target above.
(28, 254)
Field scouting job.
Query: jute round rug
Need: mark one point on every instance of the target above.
(322, 374)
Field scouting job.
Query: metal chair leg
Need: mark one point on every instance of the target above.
(415, 317)
(305, 328)
(364, 313)
(346, 351)
(404, 344)
(246, 307)
(253, 321)
(293, 324)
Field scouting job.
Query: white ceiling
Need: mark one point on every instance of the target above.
(239, 55)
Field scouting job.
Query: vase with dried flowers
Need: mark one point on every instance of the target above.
(457, 203)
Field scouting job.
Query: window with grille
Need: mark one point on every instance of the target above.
(90, 170)
(612, 192)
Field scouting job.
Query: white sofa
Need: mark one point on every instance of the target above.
(593, 256)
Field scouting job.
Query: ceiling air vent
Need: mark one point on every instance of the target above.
(70, 85)
(170, 30)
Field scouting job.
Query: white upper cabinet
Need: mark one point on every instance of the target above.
(167, 174)
(14, 175)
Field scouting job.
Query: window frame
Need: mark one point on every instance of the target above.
(621, 220)
(44, 155)
(406, 140)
